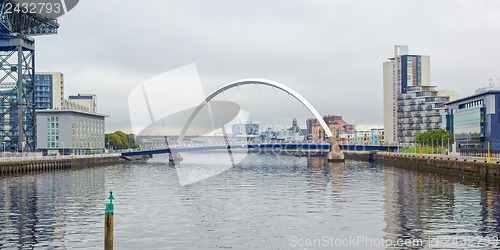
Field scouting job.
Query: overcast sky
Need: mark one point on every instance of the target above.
(329, 51)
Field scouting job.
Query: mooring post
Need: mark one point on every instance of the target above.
(489, 159)
(108, 223)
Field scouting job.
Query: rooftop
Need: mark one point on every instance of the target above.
(489, 92)
(69, 111)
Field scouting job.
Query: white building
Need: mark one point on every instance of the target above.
(70, 132)
(49, 94)
(347, 137)
(411, 104)
(89, 101)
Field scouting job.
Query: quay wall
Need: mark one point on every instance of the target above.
(456, 166)
(28, 166)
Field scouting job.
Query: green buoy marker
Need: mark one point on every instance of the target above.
(108, 223)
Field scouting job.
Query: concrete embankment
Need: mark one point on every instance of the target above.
(34, 165)
(456, 166)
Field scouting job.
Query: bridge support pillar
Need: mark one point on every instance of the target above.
(173, 157)
(335, 154)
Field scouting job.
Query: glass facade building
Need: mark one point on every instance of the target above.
(475, 120)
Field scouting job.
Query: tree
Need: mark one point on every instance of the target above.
(120, 140)
(434, 137)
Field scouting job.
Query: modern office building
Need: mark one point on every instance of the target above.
(48, 95)
(86, 100)
(69, 132)
(475, 120)
(411, 104)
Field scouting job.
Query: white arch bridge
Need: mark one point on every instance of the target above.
(335, 153)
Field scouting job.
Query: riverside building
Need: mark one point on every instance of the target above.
(69, 132)
(411, 104)
(475, 121)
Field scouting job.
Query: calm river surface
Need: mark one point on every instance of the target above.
(267, 202)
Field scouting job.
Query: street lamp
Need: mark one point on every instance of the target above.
(442, 147)
(467, 149)
(448, 149)
(62, 143)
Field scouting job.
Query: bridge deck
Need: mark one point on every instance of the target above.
(281, 146)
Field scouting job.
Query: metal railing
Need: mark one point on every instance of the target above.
(445, 156)
(479, 152)
(62, 157)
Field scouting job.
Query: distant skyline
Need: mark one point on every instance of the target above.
(331, 52)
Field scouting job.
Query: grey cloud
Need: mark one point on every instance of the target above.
(329, 51)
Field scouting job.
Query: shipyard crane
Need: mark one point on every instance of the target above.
(18, 22)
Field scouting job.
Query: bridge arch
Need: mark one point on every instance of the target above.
(256, 81)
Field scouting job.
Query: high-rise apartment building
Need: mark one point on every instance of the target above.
(411, 104)
(49, 90)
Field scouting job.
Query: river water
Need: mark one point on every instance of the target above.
(267, 201)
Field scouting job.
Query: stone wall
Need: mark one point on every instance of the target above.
(475, 168)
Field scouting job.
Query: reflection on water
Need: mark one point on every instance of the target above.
(424, 205)
(267, 201)
(51, 209)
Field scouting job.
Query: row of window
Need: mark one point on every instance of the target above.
(87, 133)
(472, 105)
(468, 122)
(52, 131)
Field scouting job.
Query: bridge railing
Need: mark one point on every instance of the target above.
(42, 158)
(357, 146)
(444, 156)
